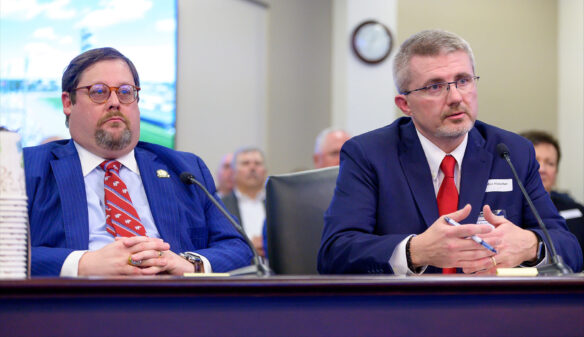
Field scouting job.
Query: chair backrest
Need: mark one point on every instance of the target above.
(295, 206)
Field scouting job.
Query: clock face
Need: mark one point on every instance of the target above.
(372, 42)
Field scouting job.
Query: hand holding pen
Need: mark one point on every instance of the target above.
(475, 238)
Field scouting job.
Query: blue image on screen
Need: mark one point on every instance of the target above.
(39, 38)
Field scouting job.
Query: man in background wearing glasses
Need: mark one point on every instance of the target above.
(396, 184)
(103, 203)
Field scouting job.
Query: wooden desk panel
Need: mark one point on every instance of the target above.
(293, 306)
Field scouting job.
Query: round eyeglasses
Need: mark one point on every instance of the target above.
(100, 93)
(463, 85)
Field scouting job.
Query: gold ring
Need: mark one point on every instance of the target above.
(134, 263)
(159, 253)
(494, 261)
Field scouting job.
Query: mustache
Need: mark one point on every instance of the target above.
(110, 115)
(457, 110)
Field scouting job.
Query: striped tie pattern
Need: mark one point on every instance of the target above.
(120, 215)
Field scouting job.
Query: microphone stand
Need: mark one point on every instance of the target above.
(258, 266)
(557, 266)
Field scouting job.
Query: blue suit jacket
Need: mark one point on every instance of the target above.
(183, 215)
(384, 193)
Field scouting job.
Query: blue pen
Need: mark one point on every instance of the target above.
(474, 237)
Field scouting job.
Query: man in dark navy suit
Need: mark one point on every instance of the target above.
(387, 216)
(71, 232)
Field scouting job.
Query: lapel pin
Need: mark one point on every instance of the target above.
(162, 174)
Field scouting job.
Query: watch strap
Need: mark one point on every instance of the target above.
(195, 260)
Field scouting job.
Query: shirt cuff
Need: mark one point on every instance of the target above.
(543, 262)
(398, 261)
(70, 267)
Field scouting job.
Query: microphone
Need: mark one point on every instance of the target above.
(258, 267)
(557, 267)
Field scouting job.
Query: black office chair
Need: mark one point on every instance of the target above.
(295, 206)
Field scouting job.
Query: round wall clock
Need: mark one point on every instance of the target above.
(372, 42)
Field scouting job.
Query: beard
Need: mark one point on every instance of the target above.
(455, 131)
(108, 140)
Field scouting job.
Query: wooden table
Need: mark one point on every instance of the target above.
(293, 306)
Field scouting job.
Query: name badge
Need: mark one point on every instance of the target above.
(482, 221)
(499, 185)
(571, 213)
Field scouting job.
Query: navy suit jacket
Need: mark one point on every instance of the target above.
(184, 216)
(385, 192)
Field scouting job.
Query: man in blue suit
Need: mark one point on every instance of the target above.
(384, 216)
(65, 187)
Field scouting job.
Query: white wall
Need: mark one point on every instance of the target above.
(299, 81)
(571, 96)
(275, 76)
(362, 93)
(221, 80)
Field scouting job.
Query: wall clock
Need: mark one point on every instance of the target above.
(372, 42)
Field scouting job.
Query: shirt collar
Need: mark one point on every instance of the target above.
(260, 196)
(89, 161)
(434, 154)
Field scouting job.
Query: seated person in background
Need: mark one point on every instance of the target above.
(247, 202)
(103, 203)
(225, 176)
(396, 184)
(327, 147)
(548, 154)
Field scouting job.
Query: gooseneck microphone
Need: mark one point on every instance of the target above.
(258, 266)
(557, 267)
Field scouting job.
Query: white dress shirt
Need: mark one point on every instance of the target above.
(252, 212)
(93, 177)
(434, 157)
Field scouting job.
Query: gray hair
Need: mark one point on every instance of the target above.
(322, 136)
(247, 149)
(426, 43)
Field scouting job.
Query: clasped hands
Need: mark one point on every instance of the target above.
(446, 246)
(154, 255)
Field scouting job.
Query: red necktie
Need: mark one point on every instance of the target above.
(120, 215)
(447, 194)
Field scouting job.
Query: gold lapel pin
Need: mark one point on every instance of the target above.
(162, 174)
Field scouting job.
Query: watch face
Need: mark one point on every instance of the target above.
(372, 42)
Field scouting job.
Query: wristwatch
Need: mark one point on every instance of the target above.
(195, 260)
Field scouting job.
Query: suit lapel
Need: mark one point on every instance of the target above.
(158, 191)
(68, 175)
(476, 168)
(415, 168)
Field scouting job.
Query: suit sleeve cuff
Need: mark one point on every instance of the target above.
(398, 261)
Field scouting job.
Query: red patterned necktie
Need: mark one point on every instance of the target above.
(447, 194)
(120, 215)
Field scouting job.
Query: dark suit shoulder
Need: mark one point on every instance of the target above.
(383, 134)
(230, 202)
(564, 201)
(48, 148)
(494, 135)
(166, 152)
(37, 158)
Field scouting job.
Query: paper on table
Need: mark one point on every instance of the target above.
(516, 271)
